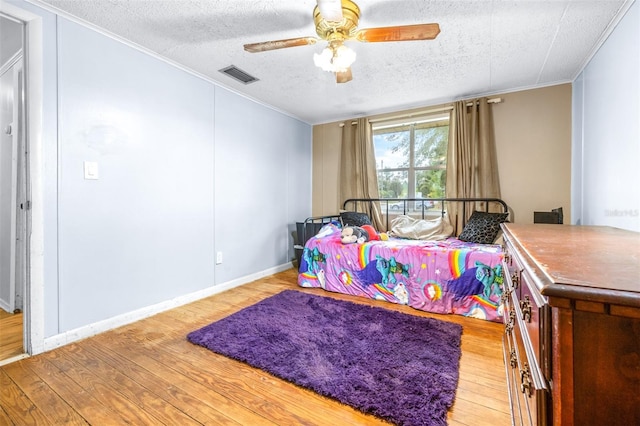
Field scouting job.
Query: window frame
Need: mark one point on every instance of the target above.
(411, 124)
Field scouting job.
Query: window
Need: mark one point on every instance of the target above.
(411, 157)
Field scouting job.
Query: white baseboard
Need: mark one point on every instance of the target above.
(139, 314)
(5, 306)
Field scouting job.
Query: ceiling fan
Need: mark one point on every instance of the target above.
(337, 21)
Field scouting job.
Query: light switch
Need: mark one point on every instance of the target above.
(90, 170)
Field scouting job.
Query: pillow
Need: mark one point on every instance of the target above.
(420, 229)
(354, 219)
(482, 227)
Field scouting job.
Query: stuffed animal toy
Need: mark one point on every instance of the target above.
(354, 234)
(373, 234)
(361, 234)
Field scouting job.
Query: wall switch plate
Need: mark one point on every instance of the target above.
(91, 170)
(218, 258)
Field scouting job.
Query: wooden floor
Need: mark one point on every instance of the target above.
(10, 335)
(146, 373)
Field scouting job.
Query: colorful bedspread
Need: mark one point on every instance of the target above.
(444, 277)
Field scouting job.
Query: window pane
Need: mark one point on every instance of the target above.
(411, 157)
(431, 147)
(430, 183)
(391, 149)
(393, 184)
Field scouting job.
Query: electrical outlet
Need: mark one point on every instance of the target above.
(218, 258)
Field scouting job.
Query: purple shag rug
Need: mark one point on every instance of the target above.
(396, 366)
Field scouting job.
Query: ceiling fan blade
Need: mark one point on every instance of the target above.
(279, 44)
(330, 10)
(399, 33)
(344, 76)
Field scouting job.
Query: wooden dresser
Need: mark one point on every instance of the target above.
(572, 324)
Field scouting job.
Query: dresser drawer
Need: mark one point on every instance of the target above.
(513, 265)
(532, 312)
(527, 386)
(522, 398)
(533, 389)
(535, 318)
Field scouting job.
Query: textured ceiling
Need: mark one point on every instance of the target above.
(485, 47)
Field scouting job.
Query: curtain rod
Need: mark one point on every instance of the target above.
(422, 112)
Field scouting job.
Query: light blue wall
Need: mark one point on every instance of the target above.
(606, 131)
(262, 178)
(186, 169)
(143, 232)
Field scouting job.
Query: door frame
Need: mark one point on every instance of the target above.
(33, 104)
(14, 70)
(22, 182)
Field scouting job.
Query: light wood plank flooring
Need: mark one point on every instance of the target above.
(10, 335)
(146, 373)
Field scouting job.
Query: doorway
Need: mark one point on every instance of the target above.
(13, 185)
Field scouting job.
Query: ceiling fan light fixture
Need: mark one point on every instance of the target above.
(336, 21)
(335, 58)
(331, 10)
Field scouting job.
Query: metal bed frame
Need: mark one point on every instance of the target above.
(408, 206)
(312, 225)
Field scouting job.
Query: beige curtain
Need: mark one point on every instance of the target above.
(358, 175)
(472, 165)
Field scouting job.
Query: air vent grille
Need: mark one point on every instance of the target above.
(238, 74)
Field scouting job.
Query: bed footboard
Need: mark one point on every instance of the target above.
(307, 229)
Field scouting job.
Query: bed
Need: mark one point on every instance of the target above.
(449, 275)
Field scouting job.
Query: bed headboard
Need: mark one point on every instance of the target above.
(419, 207)
(424, 208)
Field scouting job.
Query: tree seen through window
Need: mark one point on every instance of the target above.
(411, 158)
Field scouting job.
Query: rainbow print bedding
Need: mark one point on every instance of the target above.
(446, 277)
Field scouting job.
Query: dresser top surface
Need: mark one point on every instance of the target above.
(599, 257)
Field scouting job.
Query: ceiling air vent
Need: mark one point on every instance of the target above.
(238, 74)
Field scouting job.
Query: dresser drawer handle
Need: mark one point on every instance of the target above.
(515, 280)
(525, 378)
(504, 296)
(525, 305)
(509, 326)
(513, 359)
